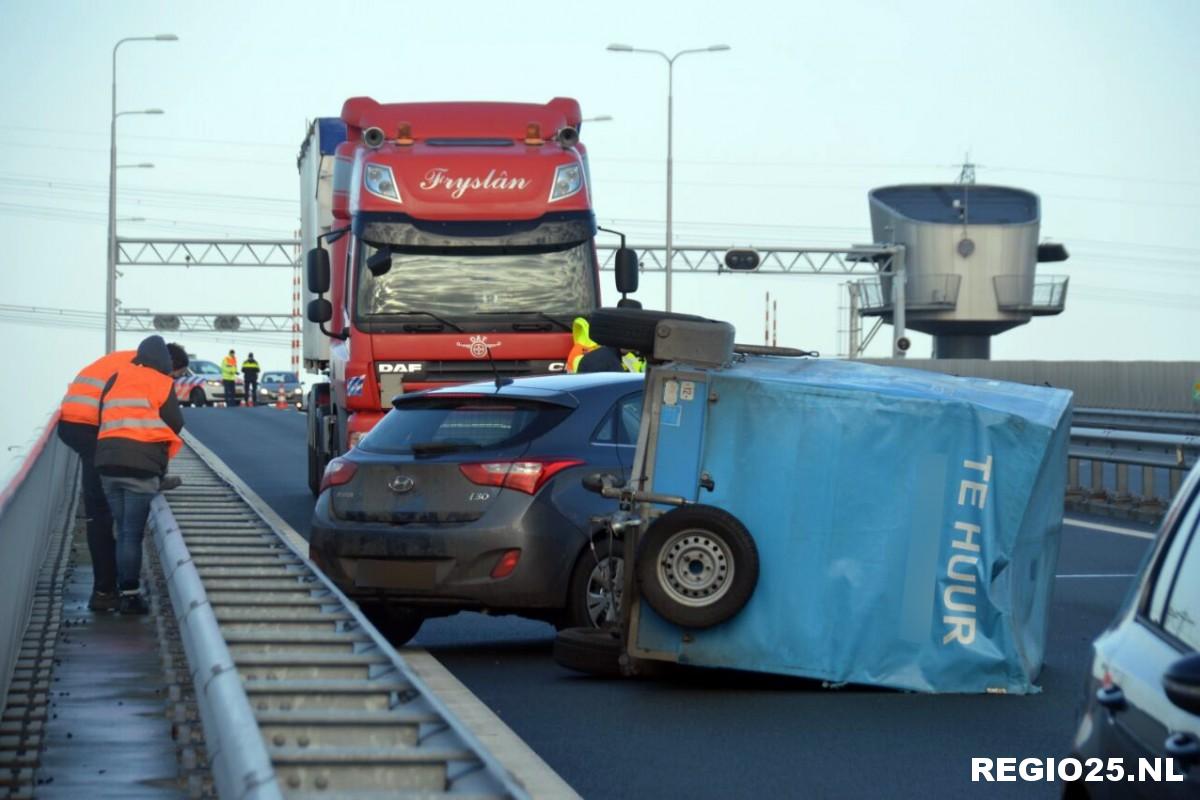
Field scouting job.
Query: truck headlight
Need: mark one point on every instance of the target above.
(568, 180)
(379, 181)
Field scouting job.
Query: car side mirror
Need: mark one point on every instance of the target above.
(317, 265)
(319, 310)
(626, 268)
(380, 262)
(1181, 682)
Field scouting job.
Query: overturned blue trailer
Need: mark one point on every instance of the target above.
(903, 525)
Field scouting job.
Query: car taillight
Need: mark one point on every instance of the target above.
(338, 472)
(526, 475)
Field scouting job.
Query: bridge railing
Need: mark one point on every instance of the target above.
(33, 506)
(1129, 462)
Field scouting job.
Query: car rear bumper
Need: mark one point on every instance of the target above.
(448, 567)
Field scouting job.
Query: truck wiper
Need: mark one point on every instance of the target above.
(540, 314)
(433, 316)
(434, 448)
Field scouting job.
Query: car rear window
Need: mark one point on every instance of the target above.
(437, 425)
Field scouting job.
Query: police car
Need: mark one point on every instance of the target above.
(202, 385)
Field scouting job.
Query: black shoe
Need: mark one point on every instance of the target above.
(103, 601)
(133, 603)
(170, 482)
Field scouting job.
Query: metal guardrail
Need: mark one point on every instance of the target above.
(1163, 445)
(299, 695)
(240, 765)
(1163, 450)
(1126, 420)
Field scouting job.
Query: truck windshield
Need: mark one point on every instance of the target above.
(456, 282)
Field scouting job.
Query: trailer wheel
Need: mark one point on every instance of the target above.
(630, 328)
(596, 651)
(697, 566)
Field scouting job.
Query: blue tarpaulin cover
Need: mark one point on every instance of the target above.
(907, 522)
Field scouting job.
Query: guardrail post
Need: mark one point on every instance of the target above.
(1122, 494)
(1097, 488)
(1074, 490)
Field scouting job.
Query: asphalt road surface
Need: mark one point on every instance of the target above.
(724, 734)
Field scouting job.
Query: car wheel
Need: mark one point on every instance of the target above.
(398, 624)
(591, 650)
(594, 599)
(697, 566)
(197, 398)
(630, 328)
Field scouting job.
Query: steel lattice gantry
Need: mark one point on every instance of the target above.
(859, 259)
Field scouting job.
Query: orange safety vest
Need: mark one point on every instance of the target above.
(130, 409)
(82, 401)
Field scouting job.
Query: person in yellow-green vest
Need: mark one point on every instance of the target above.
(581, 343)
(229, 378)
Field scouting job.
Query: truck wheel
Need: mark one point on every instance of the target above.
(316, 470)
(398, 624)
(590, 604)
(630, 328)
(592, 650)
(697, 566)
(197, 398)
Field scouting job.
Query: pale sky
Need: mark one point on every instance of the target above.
(1094, 106)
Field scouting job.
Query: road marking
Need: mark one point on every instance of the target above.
(505, 746)
(1101, 575)
(1096, 526)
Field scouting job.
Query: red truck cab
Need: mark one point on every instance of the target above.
(455, 242)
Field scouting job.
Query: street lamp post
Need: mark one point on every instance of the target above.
(624, 48)
(110, 319)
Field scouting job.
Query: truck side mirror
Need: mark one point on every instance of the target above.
(626, 267)
(320, 310)
(318, 271)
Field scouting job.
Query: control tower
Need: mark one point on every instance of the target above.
(970, 256)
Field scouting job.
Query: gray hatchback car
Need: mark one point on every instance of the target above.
(469, 498)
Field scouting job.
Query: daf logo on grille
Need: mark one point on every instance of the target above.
(401, 484)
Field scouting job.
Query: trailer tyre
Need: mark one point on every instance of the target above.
(596, 651)
(630, 328)
(697, 566)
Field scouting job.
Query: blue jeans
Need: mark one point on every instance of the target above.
(230, 393)
(130, 511)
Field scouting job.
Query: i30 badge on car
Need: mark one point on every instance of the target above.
(401, 484)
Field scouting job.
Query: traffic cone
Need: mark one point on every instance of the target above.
(281, 400)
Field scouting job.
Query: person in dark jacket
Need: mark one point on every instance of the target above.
(77, 427)
(250, 372)
(139, 429)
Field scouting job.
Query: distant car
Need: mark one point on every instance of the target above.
(271, 383)
(202, 385)
(469, 498)
(1143, 693)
